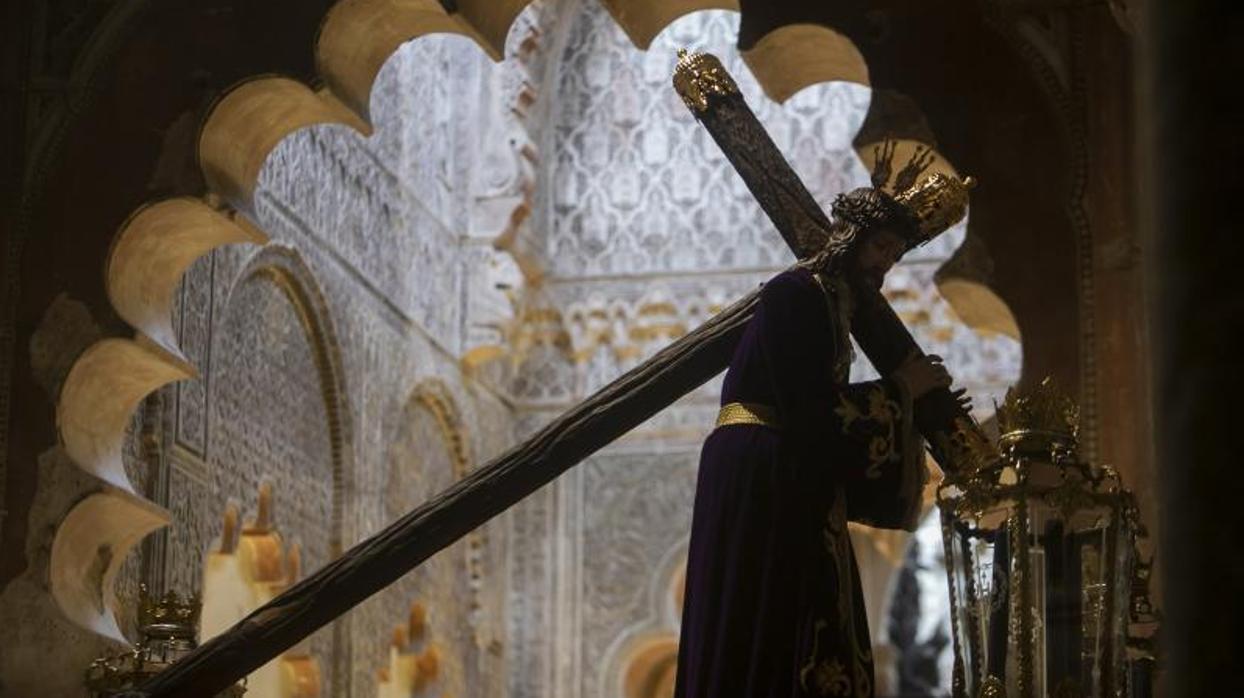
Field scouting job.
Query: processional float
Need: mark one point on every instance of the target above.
(955, 440)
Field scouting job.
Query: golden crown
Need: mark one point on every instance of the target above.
(932, 205)
(937, 203)
(170, 610)
(1041, 417)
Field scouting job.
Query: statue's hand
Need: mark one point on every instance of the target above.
(961, 397)
(922, 373)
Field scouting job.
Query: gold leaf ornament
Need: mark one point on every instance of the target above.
(699, 76)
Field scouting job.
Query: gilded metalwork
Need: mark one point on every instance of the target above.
(167, 626)
(926, 209)
(1111, 623)
(964, 449)
(937, 202)
(1037, 495)
(169, 610)
(957, 682)
(748, 413)
(1039, 420)
(992, 687)
(968, 497)
(1070, 497)
(1021, 595)
(700, 76)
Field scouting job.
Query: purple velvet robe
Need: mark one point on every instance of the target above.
(773, 606)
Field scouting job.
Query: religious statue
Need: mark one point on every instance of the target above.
(773, 605)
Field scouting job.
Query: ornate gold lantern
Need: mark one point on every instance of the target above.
(1040, 551)
(168, 626)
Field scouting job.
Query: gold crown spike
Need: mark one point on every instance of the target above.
(699, 76)
(170, 613)
(1042, 417)
(937, 202)
(919, 162)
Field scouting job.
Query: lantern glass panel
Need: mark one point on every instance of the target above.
(1039, 572)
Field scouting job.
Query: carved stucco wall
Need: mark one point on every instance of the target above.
(422, 460)
(638, 187)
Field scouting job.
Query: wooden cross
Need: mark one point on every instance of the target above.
(625, 403)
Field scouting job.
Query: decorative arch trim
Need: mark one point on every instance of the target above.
(154, 248)
(90, 545)
(434, 396)
(795, 56)
(643, 20)
(97, 401)
(284, 267)
(249, 120)
(358, 36)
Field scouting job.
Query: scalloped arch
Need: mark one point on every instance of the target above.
(979, 306)
(358, 36)
(643, 20)
(491, 21)
(152, 250)
(249, 120)
(90, 545)
(435, 397)
(642, 660)
(893, 115)
(100, 394)
(796, 56)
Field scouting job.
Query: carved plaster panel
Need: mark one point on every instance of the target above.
(635, 509)
(530, 604)
(272, 409)
(194, 313)
(638, 186)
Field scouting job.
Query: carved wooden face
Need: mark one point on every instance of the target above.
(876, 254)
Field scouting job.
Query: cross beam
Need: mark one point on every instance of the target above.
(624, 404)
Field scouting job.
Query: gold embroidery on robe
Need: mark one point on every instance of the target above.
(827, 675)
(881, 414)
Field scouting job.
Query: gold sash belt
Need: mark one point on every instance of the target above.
(748, 413)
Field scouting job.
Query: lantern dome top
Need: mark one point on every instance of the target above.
(1042, 418)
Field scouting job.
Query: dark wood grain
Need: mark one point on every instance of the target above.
(767, 174)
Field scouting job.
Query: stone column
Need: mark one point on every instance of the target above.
(1189, 152)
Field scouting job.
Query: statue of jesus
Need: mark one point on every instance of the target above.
(773, 605)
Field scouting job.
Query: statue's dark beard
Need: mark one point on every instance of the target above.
(840, 256)
(867, 278)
